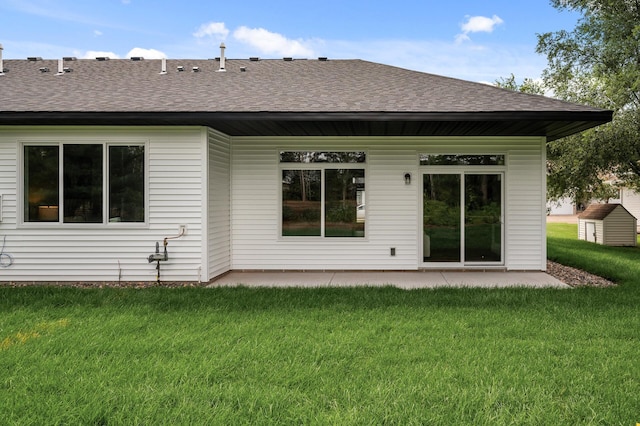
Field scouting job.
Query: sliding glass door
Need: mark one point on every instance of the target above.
(462, 218)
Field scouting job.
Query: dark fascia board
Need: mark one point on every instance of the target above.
(564, 122)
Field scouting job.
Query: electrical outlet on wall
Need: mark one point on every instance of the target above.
(182, 229)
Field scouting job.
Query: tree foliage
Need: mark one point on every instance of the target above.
(528, 85)
(597, 63)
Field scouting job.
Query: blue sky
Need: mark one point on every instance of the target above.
(477, 40)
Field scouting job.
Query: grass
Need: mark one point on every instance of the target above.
(620, 264)
(326, 356)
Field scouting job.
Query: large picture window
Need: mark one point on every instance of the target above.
(325, 199)
(84, 183)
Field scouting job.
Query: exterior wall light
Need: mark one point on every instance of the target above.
(407, 178)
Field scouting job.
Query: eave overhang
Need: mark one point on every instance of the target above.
(551, 124)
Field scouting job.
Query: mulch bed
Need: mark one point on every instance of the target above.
(576, 277)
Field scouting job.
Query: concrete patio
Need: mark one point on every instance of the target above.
(407, 280)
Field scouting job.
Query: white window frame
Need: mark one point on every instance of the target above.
(462, 171)
(322, 166)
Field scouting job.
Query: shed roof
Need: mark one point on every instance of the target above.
(600, 211)
(278, 97)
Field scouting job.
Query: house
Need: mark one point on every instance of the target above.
(281, 164)
(608, 224)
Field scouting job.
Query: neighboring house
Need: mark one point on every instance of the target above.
(629, 198)
(564, 206)
(265, 163)
(608, 224)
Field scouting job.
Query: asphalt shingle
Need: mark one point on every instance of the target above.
(266, 85)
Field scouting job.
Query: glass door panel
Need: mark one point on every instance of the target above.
(483, 218)
(441, 218)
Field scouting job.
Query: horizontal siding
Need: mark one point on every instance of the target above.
(631, 201)
(619, 228)
(525, 195)
(219, 238)
(393, 208)
(110, 253)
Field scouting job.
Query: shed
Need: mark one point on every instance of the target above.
(607, 224)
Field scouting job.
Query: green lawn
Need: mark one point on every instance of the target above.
(328, 356)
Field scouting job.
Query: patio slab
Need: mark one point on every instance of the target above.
(407, 280)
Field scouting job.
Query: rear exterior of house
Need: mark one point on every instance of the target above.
(342, 185)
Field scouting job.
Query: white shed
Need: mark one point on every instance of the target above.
(608, 224)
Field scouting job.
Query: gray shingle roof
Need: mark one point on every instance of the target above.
(271, 94)
(600, 211)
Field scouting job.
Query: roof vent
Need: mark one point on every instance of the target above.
(163, 69)
(287, 59)
(44, 69)
(69, 58)
(1, 64)
(137, 58)
(67, 69)
(322, 58)
(243, 69)
(254, 59)
(60, 67)
(102, 58)
(195, 69)
(222, 61)
(34, 58)
(180, 68)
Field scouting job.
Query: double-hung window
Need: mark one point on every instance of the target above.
(92, 183)
(323, 194)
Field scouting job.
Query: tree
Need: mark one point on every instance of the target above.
(528, 85)
(597, 63)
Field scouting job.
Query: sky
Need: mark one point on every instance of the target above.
(476, 40)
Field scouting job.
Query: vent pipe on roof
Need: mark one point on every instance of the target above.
(60, 67)
(1, 64)
(164, 66)
(222, 60)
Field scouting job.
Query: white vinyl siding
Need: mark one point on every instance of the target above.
(630, 199)
(114, 251)
(525, 219)
(227, 191)
(619, 228)
(392, 207)
(219, 238)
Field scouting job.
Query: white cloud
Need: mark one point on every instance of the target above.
(92, 54)
(97, 33)
(146, 53)
(212, 29)
(273, 43)
(477, 24)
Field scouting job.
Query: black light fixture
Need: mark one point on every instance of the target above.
(407, 178)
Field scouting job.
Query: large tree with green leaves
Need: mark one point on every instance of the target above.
(597, 63)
